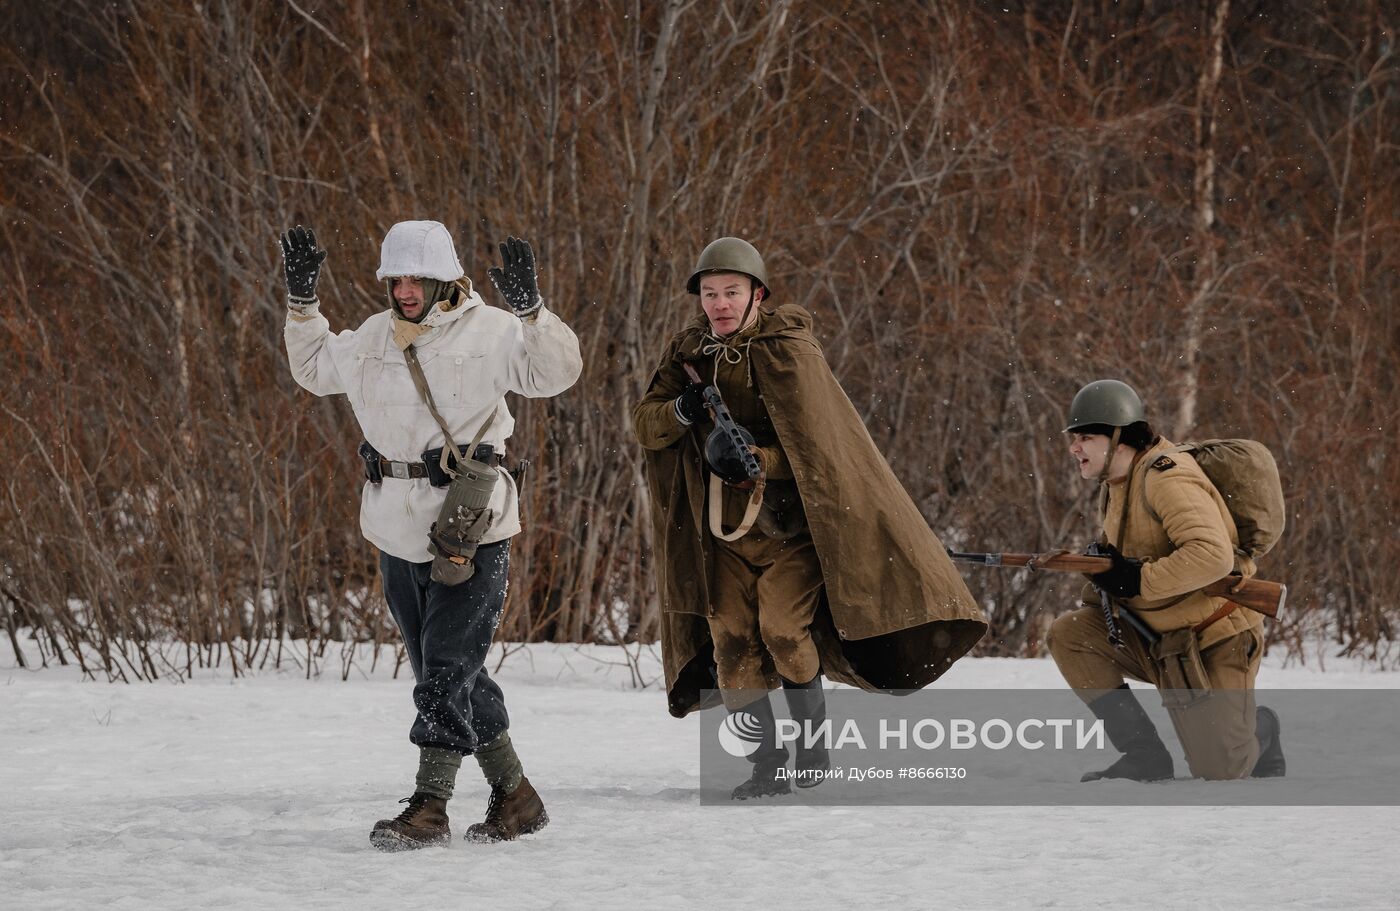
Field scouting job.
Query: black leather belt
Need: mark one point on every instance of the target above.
(406, 470)
(377, 467)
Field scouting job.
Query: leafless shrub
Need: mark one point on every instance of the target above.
(984, 205)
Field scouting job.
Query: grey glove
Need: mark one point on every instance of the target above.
(301, 260)
(515, 279)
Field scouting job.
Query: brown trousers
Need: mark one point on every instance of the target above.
(1216, 732)
(766, 592)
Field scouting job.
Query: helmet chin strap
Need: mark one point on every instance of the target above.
(743, 320)
(1108, 458)
(753, 293)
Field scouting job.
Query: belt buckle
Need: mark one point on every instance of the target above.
(399, 470)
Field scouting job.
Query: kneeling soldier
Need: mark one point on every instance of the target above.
(429, 372)
(823, 566)
(1169, 534)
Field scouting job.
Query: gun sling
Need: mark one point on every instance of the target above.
(1221, 613)
(717, 508)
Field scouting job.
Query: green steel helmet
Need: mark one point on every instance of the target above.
(729, 254)
(1110, 403)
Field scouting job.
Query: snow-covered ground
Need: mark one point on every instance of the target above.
(259, 793)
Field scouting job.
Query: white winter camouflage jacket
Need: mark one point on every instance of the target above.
(472, 355)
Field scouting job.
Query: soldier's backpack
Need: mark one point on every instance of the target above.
(1245, 473)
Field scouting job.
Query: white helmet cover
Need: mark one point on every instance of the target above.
(419, 248)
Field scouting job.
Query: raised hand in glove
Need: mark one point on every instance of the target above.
(1121, 580)
(301, 259)
(515, 279)
(690, 404)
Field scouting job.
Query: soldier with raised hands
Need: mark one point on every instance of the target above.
(811, 561)
(427, 378)
(1169, 534)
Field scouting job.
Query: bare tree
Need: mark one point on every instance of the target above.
(982, 208)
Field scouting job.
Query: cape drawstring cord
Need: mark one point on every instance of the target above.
(718, 348)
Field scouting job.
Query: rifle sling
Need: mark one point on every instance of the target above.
(1221, 613)
(717, 508)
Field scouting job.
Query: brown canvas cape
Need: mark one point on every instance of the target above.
(897, 614)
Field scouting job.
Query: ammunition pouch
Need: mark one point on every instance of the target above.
(374, 473)
(462, 522)
(1183, 681)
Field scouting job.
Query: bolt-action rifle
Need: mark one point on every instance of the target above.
(1256, 594)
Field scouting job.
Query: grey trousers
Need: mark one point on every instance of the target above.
(447, 631)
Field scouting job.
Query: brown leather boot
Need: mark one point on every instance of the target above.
(422, 825)
(509, 816)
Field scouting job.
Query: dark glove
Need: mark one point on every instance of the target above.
(690, 405)
(301, 259)
(1121, 580)
(516, 278)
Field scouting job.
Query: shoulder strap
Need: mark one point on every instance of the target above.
(1122, 510)
(420, 381)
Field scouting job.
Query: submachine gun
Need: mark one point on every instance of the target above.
(729, 452)
(728, 431)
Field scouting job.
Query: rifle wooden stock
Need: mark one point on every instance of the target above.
(1256, 594)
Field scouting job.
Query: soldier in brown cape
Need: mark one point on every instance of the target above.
(836, 572)
(1170, 535)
